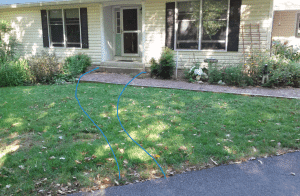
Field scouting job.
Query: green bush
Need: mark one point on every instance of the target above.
(14, 73)
(285, 74)
(214, 73)
(44, 67)
(283, 50)
(189, 74)
(234, 75)
(75, 65)
(154, 68)
(165, 67)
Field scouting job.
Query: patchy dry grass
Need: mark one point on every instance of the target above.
(48, 145)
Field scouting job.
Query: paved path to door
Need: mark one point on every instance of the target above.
(176, 84)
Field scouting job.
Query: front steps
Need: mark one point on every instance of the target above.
(118, 67)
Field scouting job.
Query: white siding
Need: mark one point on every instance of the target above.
(253, 11)
(27, 26)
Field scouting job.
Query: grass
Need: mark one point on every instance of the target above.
(184, 130)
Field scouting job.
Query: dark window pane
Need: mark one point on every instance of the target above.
(58, 45)
(118, 14)
(215, 15)
(215, 5)
(57, 33)
(130, 43)
(214, 46)
(214, 24)
(72, 16)
(73, 33)
(55, 17)
(187, 35)
(191, 45)
(118, 30)
(214, 30)
(118, 22)
(187, 30)
(130, 19)
(188, 7)
(73, 45)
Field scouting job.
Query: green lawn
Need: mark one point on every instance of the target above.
(182, 129)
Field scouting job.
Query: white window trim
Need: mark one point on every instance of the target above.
(200, 30)
(64, 30)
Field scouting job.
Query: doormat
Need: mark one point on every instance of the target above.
(125, 60)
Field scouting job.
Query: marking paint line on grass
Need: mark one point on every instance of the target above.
(93, 121)
(126, 131)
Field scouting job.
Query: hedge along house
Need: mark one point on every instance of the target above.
(128, 34)
(286, 22)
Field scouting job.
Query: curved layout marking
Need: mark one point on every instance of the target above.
(94, 122)
(124, 128)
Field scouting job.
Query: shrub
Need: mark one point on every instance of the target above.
(14, 73)
(283, 50)
(166, 65)
(234, 75)
(44, 67)
(75, 65)
(285, 74)
(214, 73)
(154, 68)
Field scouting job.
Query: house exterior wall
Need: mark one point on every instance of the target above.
(286, 5)
(252, 11)
(27, 25)
(28, 29)
(284, 27)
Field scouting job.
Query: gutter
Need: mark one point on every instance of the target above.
(51, 3)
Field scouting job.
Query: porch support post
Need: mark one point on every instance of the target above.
(102, 38)
(143, 35)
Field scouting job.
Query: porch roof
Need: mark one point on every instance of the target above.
(59, 2)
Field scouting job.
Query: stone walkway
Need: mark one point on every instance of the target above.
(287, 92)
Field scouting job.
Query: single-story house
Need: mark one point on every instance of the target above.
(111, 31)
(286, 21)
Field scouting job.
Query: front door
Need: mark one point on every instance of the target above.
(127, 32)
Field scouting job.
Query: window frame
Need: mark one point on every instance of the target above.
(200, 28)
(297, 33)
(64, 29)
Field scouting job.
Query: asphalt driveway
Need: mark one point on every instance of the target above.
(277, 175)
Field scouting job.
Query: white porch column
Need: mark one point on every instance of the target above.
(143, 33)
(102, 38)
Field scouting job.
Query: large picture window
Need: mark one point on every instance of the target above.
(298, 25)
(202, 25)
(64, 28)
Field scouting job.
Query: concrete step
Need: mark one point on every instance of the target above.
(128, 58)
(115, 69)
(122, 64)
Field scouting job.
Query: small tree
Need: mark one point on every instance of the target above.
(166, 65)
(7, 50)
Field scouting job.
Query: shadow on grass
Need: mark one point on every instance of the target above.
(45, 134)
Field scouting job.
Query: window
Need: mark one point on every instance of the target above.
(202, 25)
(187, 35)
(64, 28)
(298, 25)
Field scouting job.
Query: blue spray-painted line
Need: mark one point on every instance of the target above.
(126, 131)
(94, 122)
